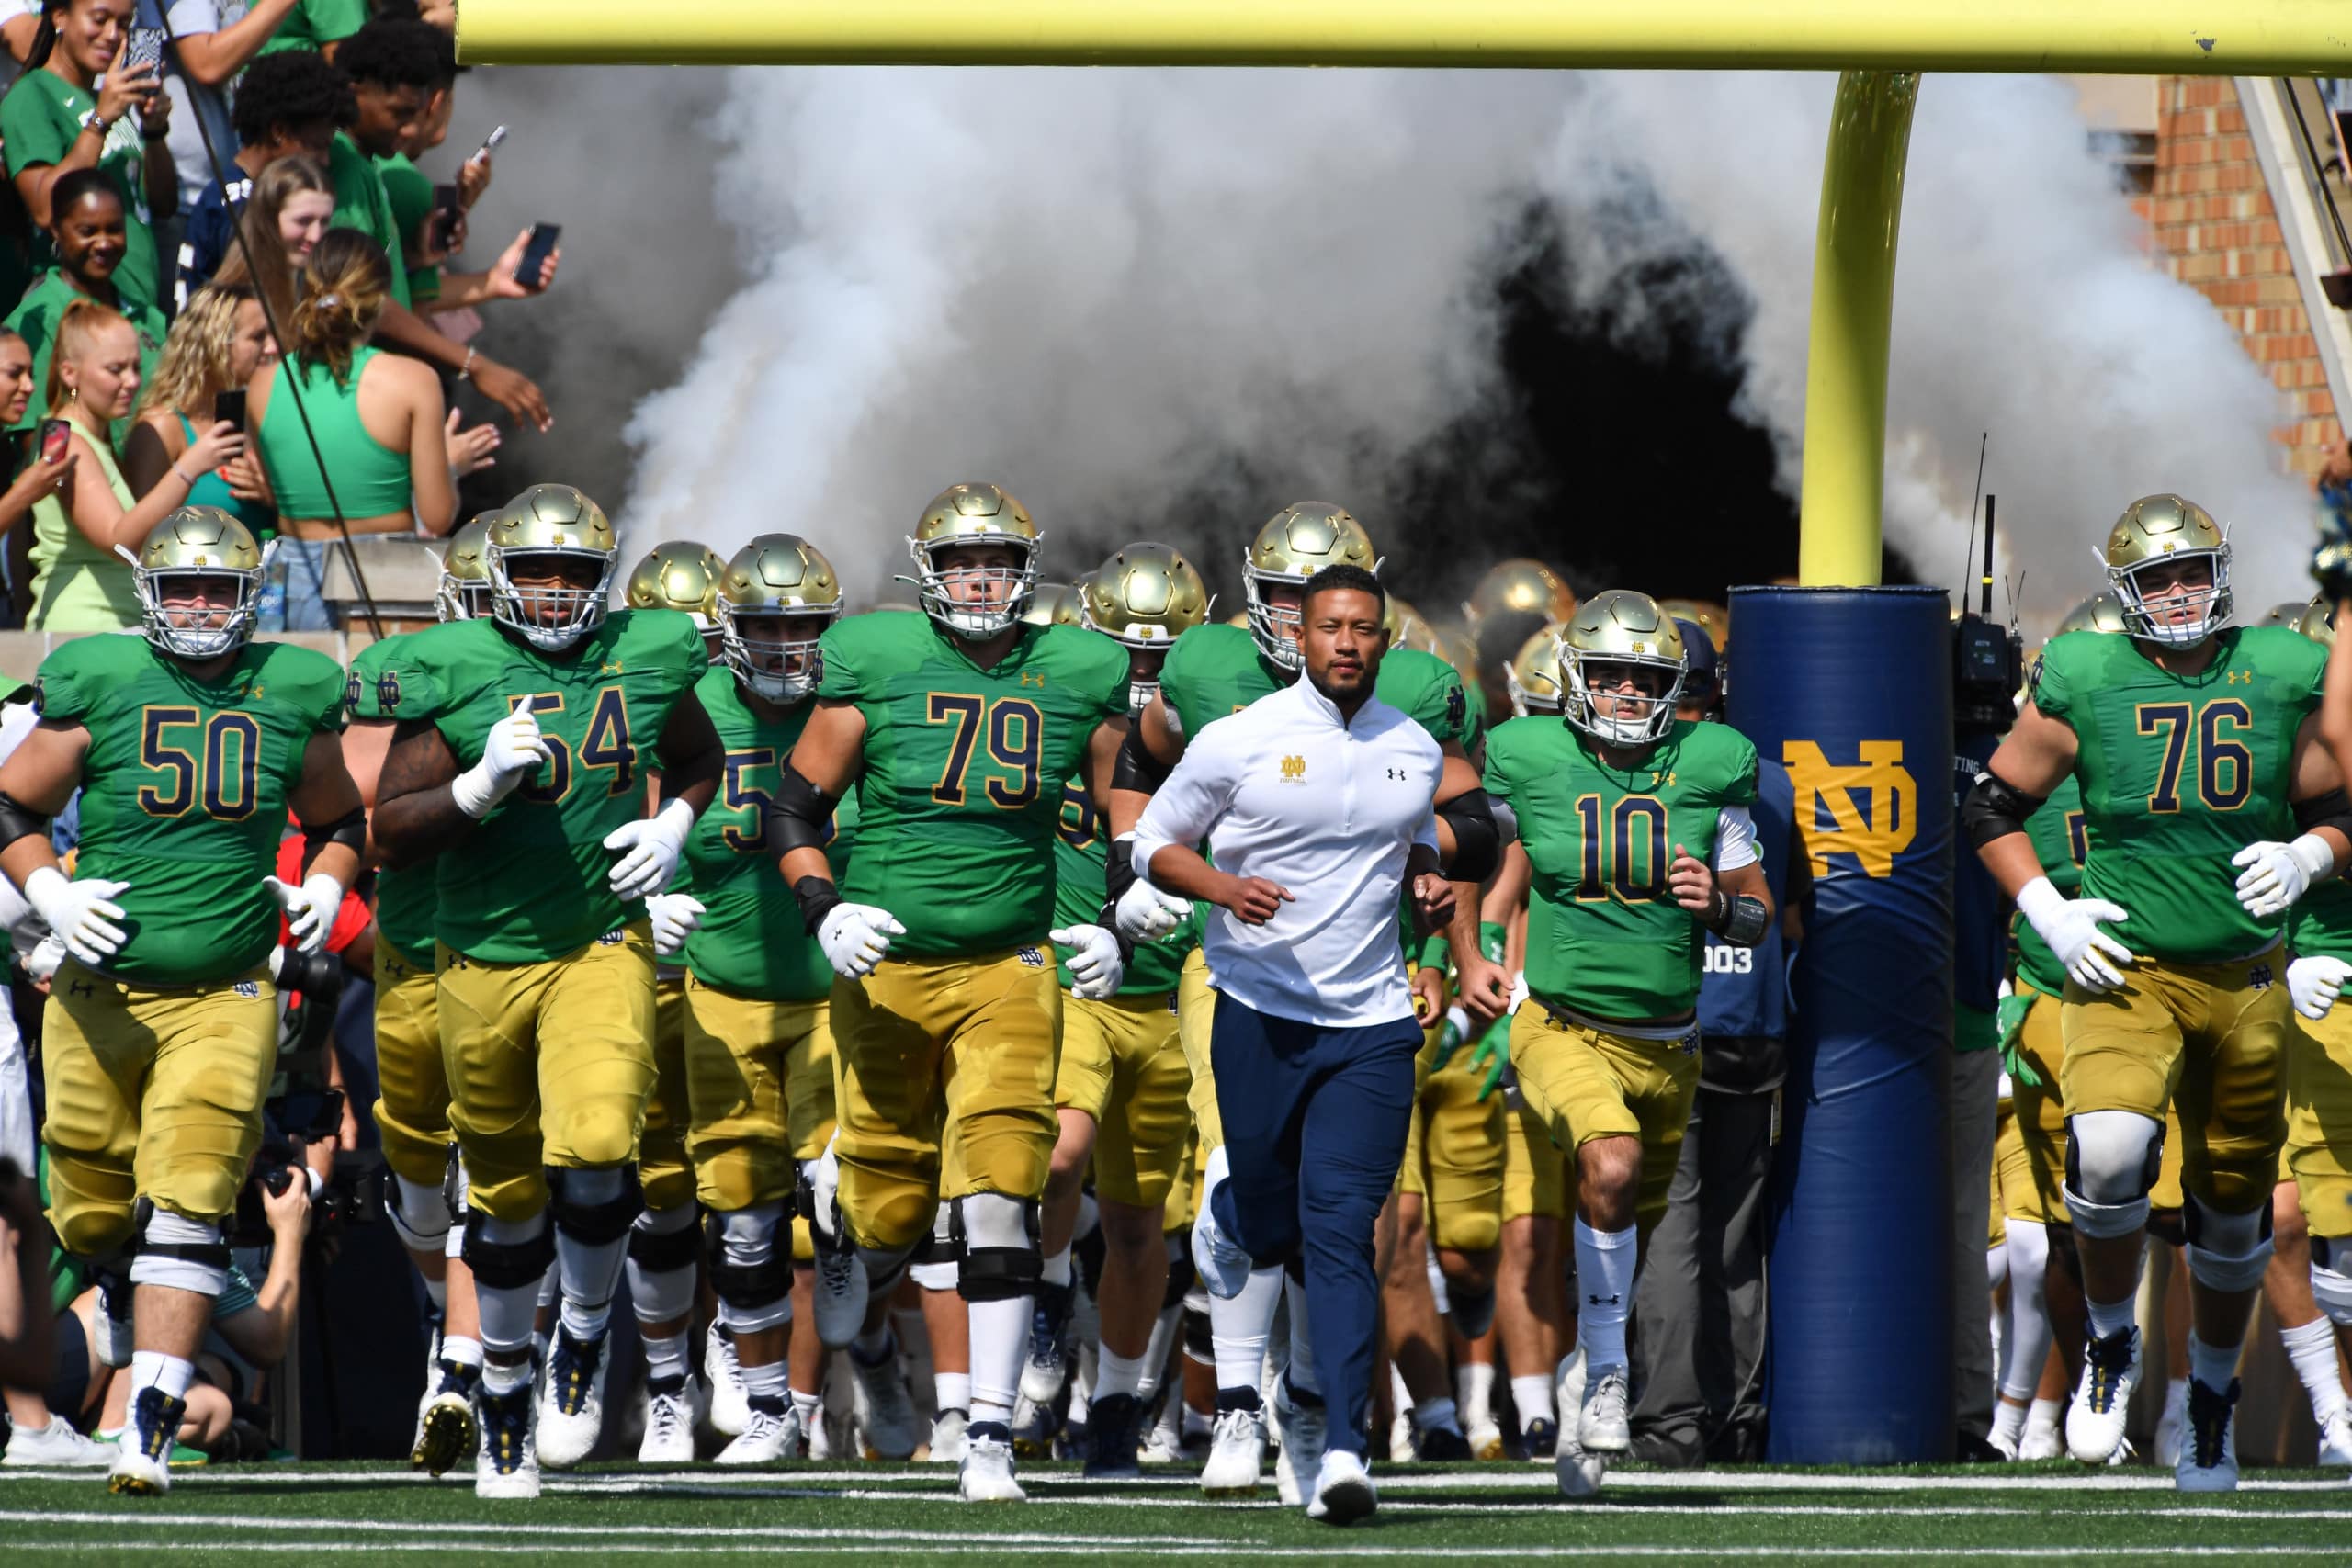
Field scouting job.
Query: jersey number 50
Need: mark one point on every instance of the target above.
(227, 774)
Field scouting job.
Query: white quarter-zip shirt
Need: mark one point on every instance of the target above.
(1328, 808)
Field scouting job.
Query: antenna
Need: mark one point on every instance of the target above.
(1985, 583)
(1983, 440)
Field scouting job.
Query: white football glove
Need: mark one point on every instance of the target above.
(653, 845)
(310, 908)
(856, 936)
(512, 748)
(2276, 874)
(80, 913)
(2314, 983)
(1096, 970)
(44, 960)
(2071, 927)
(1146, 914)
(674, 917)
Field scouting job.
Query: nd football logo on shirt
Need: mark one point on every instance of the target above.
(1868, 809)
(1294, 770)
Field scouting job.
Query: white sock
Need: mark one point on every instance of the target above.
(1156, 1352)
(2111, 1317)
(1400, 1398)
(1238, 1329)
(1474, 1388)
(767, 1381)
(665, 1358)
(1436, 1414)
(1000, 1346)
(952, 1391)
(2312, 1349)
(2213, 1365)
(2009, 1422)
(1057, 1269)
(1114, 1373)
(460, 1351)
(2041, 1419)
(591, 1271)
(1299, 1364)
(152, 1369)
(1197, 1423)
(1605, 1277)
(809, 1407)
(504, 1377)
(2175, 1398)
(1532, 1395)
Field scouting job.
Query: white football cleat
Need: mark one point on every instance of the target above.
(768, 1436)
(2110, 1371)
(947, 1438)
(1300, 1430)
(887, 1426)
(669, 1426)
(1604, 1424)
(2208, 1451)
(1237, 1454)
(571, 1401)
(842, 1286)
(143, 1460)
(1486, 1439)
(731, 1407)
(446, 1428)
(2336, 1440)
(507, 1464)
(986, 1475)
(1577, 1471)
(1343, 1491)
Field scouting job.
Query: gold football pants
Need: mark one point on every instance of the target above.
(1582, 1083)
(412, 1084)
(1123, 1065)
(760, 1083)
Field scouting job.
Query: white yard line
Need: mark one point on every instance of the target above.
(1350, 1545)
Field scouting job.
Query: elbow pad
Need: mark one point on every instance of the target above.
(19, 821)
(1995, 809)
(350, 830)
(802, 815)
(1477, 840)
(1137, 769)
(2332, 809)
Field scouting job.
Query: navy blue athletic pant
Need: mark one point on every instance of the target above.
(1315, 1124)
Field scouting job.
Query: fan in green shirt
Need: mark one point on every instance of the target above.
(54, 122)
(89, 234)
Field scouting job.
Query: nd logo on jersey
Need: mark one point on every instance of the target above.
(1868, 809)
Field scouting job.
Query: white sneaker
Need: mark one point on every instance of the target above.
(507, 1464)
(1577, 1471)
(143, 1460)
(571, 1399)
(2209, 1454)
(1300, 1431)
(55, 1444)
(2044, 1439)
(1164, 1444)
(731, 1407)
(767, 1435)
(1237, 1454)
(1343, 1491)
(1486, 1439)
(2110, 1371)
(947, 1438)
(842, 1287)
(2336, 1440)
(1224, 1266)
(986, 1475)
(1604, 1425)
(669, 1426)
(887, 1426)
(2172, 1422)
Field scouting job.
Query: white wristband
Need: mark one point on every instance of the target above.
(2314, 855)
(478, 789)
(2038, 901)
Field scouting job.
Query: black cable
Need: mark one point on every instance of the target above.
(290, 380)
(2319, 170)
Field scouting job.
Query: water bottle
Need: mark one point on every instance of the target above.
(269, 615)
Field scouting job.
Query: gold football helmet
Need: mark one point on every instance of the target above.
(1052, 605)
(1295, 543)
(2316, 621)
(2283, 613)
(464, 594)
(550, 520)
(1408, 627)
(1708, 615)
(974, 514)
(196, 542)
(2172, 529)
(1613, 631)
(776, 574)
(2100, 613)
(1145, 596)
(1521, 587)
(1533, 678)
(678, 574)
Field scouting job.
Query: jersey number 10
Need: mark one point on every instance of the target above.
(1633, 865)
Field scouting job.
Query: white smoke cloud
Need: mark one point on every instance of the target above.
(1124, 293)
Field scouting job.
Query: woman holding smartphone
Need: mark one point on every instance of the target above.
(80, 584)
(57, 117)
(38, 476)
(215, 347)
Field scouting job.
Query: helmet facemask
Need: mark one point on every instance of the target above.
(461, 598)
(2210, 604)
(974, 623)
(780, 671)
(188, 631)
(1653, 716)
(580, 610)
(1275, 630)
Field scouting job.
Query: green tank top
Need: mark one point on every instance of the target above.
(370, 479)
(78, 587)
(211, 490)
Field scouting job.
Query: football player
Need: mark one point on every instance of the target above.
(1210, 672)
(1637, 833)
(663, 1249)
(190, 743)
(1510, 602)
(2190, 739)
(954, 726)
(520, 749)
(413, 1087)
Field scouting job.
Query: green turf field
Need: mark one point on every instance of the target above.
(910, 1515)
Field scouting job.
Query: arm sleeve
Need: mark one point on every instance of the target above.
(1194, 796)
(1735, 838)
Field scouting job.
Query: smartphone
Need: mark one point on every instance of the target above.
(56, 438)
(445, 216)
(489, 145)
(535, 253)
(144, 49)
(230, 406)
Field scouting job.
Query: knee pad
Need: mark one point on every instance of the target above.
(937, 1266)
(661, 1240)
(2112, 1160)
(419, 1212)
(507, 1262)
(2226, 1252)
(174, 1250)
(2331, 1289)
(752, 1274)
(1474, 1311)
(996, 1243)
(597, 1206)
(1199, 1342)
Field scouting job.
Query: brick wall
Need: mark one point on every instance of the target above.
(2212, 226)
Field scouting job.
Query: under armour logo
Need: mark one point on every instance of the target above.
(2237, 675)
(249, 990)
(1031, 957)
(1604, 1301)
(613, 938)
(1398, 773)
(1034, 678)
(2260, 977)
(612, 667)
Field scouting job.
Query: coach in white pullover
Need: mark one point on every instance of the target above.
(1316, 804)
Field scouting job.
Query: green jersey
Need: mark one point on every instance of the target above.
(184, 789)
(1604, 937)
(2178, 774)
(405, 901)
(531, 883)
(1083, 885)
(956, 823)
(1216, 671)
(750, 941)
(2059, 833)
